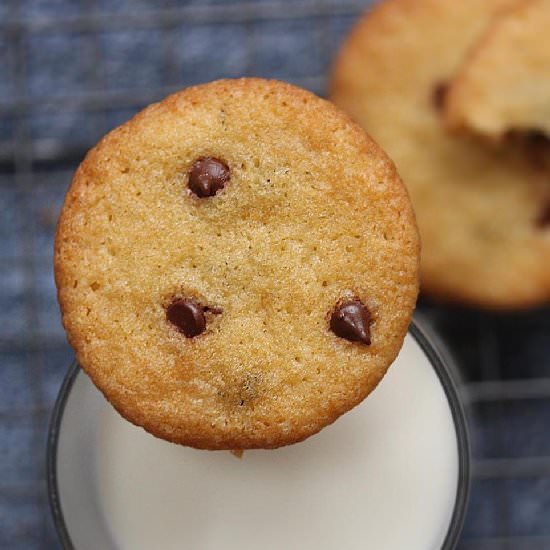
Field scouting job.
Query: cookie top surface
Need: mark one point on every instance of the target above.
(222, 258)
(503, 85)
(482, 213)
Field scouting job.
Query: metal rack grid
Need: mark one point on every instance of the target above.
(69, 71)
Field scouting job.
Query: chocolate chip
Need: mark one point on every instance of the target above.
(537, 146)
(187, 315)
(351, 321)
(207, 176)
(438, 95)
(543, 219)
(536, 139)
(533, 144)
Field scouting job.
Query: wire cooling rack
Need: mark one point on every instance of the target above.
(70, 71)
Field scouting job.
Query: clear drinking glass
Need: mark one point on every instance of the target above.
(392, 473)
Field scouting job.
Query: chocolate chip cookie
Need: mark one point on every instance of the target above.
(482, 211)
(236, 265)
(503, 85)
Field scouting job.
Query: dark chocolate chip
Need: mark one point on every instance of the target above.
(533, 144)
(536, 139)
(438, 95)
(207, 176)
(351, 321)
(537, 146)
(543, 220)
(187, 315)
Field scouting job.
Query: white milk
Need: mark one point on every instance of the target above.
(384, 476)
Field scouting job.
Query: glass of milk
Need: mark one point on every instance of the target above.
(393, 473)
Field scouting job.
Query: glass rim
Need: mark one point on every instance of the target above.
(437, 355)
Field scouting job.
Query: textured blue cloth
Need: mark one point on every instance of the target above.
(63, 84)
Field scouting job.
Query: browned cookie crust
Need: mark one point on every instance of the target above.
(503, 85)
(481, 211)
(203, 247)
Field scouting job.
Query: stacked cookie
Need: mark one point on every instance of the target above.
(504, 84)
(458, 95)
(237, 265)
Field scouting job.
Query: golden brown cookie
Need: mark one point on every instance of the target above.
(483, 214)
(503, 86)
(236, 265)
